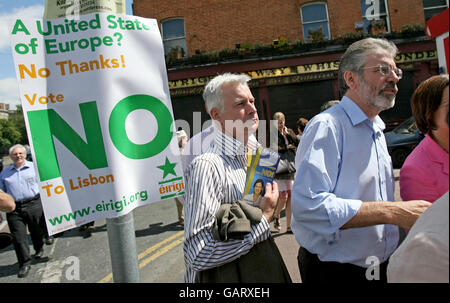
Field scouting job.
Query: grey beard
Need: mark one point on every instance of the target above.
(383, 103)
(380, 102)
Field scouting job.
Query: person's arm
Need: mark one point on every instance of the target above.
(420, 259)
(403, 214)
(203, 196)
(6, 202)
(325, 213)
(294, 139)
(282, 147)
(314, 205)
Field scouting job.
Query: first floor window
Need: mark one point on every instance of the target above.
(375, 16)
(315, 22)
(174, 38)
(433, 7)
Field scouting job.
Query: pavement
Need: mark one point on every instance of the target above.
(169, 251)
(288, 247)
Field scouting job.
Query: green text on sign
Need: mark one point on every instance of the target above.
(118, 133)
(44, 124)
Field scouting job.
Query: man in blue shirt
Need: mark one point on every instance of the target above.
(19, 180)
(343, 215)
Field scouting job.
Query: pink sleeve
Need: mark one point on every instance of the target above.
(415, 184)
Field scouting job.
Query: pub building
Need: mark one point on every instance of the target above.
(292, 60)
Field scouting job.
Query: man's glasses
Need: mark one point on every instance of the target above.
(386, 70)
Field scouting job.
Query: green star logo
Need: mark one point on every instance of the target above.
(168, 168)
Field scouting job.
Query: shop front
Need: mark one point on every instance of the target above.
(296, 85)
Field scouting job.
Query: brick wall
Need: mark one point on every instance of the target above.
(403, 12)
(218, 24)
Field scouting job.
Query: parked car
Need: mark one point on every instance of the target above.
(402, 140)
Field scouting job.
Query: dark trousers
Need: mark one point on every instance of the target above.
(262, 264)
(29, 214)
(312, 270)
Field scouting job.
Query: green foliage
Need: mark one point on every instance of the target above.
(350, 37)
(246, 45)
(410, 30)
(284, 47)
(19, 123)
(259, 45)
(282, 41)
(9, 135)
(12, 131)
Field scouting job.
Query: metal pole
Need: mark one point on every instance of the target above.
(122, 247)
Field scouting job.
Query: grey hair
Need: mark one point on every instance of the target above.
(354, 57)
(212, 94)
(328, 104)
(12, 148)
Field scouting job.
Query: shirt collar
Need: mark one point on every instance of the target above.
(357, 116)
(252, 142)
(27, 164)
(227, 145)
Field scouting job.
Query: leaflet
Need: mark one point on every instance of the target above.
(261, 167)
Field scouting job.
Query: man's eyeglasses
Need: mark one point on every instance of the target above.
(386, 70)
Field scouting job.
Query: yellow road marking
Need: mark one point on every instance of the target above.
(106, 279)
(158, 245)
(149, 250)
(161, 252)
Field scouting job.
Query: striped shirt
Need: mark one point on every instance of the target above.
(214, 178)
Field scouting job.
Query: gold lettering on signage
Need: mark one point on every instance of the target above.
(416, 56)
(294, 70)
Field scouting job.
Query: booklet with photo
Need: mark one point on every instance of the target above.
(261, 167)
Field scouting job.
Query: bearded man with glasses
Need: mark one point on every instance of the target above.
(344, 217)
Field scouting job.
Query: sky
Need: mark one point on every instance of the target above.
(9, 11)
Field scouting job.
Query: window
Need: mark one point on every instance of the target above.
(375, 16)
(315, 22)
(433, 7)
(174, 39)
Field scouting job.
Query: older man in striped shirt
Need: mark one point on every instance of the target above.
(218, 176)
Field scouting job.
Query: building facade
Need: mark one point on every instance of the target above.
(4, 110)
(305, 40)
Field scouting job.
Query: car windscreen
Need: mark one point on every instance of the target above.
(406, 127)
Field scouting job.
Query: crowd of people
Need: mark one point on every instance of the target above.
(339, 198)
(338, 195)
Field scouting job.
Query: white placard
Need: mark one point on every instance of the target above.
(97, 108)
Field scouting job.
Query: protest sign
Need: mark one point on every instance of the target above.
(97, 108)
(74, 8)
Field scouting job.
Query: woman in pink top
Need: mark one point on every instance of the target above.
(424, 174)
